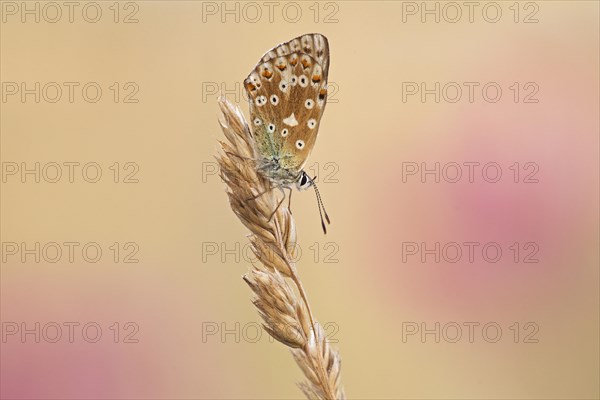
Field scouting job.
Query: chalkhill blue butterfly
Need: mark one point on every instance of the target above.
(287, 93)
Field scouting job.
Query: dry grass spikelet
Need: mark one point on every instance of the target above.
(279, 296)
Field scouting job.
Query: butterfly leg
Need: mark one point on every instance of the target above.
(289, 199)
(278, 204)
(258, 195)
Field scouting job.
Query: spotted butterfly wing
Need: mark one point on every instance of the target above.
(287, 92)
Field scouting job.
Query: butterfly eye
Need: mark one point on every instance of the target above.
(271, 128)
(274, 100)
(303, 180)
(309, 104)
(284, 132)
(294, 80)
(299, 144)
(303, 81)
(283, 86)
(257, 121)
(312, 123)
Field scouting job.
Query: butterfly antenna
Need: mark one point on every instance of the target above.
(321, 205)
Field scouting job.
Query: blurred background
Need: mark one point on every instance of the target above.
(457, 157)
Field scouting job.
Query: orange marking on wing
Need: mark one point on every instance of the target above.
(316, 78)
(322, 94)
(294, 61)
(267, 74)
(305, 63)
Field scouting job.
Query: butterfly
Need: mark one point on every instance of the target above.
(287, 93)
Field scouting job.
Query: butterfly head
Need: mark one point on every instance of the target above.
(304, 181)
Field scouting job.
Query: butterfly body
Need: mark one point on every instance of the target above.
(274, 170)
(287, 93)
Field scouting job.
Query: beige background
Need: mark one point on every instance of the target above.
(177, 214)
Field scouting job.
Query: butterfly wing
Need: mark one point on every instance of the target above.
(287, 91)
